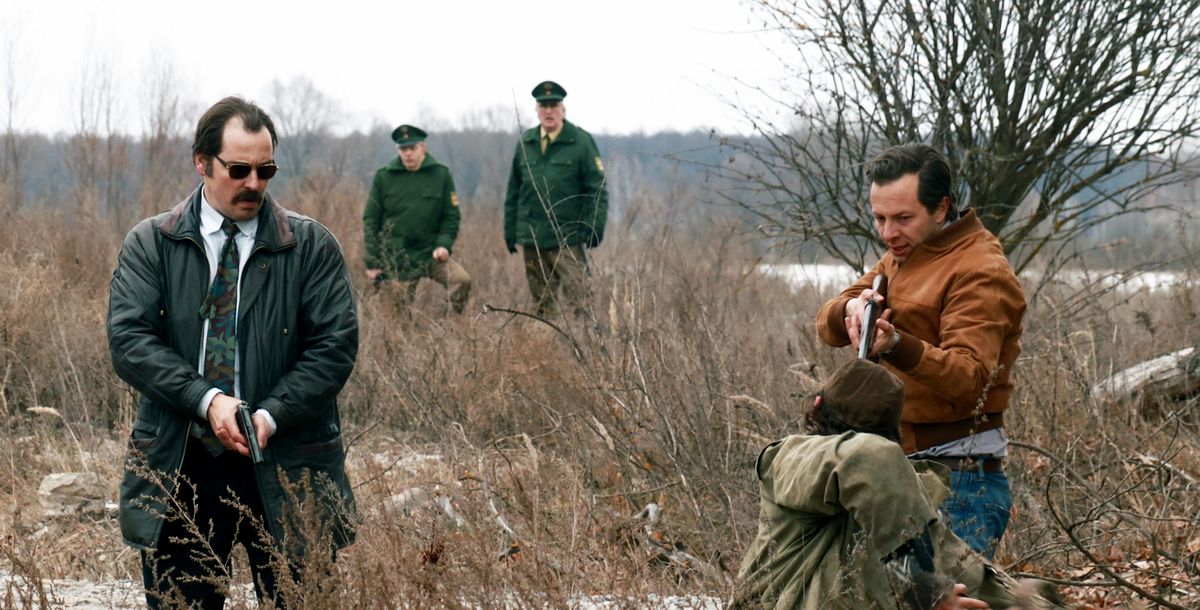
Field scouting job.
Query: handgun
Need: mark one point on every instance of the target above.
(872, 311)
(246, 423)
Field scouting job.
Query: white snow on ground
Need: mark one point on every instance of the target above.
(127, 595)
(78, 594)
(653, 602)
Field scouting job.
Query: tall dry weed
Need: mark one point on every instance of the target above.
(689, 362)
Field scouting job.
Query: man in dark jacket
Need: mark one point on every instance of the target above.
(556, 204)
(230, 298)
(411, 221)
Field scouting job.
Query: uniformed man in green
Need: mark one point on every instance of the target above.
(411, 221)
(556, 204)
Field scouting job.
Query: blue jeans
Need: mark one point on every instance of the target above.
(978, 508)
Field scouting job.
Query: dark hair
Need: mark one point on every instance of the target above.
(934, 179)
(823, 419)
(212, 125)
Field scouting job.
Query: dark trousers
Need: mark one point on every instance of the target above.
(187, 571)
(548, 269)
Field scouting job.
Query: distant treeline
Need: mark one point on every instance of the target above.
(118, 174)
(125, 178)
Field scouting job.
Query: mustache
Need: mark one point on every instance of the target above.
(250, 196)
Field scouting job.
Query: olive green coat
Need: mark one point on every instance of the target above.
(408, 215)
(559, 197)
(831, 509)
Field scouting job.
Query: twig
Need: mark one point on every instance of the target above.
(512, 544)
(1099, 565)
(637, 492)
(1082, 482)
(1066, 582)
(1154, 462)
(488, 308)
(350, 443)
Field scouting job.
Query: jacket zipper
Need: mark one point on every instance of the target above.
(267, 512)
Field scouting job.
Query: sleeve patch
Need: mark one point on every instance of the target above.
(599, 165)
(454, 198)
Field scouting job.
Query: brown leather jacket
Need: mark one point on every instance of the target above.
(958, 307)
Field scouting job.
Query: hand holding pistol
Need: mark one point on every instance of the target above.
(870, 314)
(246, 423)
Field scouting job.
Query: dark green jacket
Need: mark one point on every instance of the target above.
(297, 340)
(557, 198)
(408, 215)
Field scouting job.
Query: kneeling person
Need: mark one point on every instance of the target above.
(411, 221)
(847, 521)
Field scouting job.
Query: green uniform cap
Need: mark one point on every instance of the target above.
(407, 135)
(549, 91)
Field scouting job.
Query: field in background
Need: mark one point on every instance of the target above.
(693, 360)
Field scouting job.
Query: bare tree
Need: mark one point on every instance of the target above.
(304, 116)
(1058, 114)
(164, 127)
(13, 83)
(486, 119)
(98, 154)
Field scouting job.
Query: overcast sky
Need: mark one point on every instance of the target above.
(628, 65)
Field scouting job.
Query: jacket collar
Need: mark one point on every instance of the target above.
(274, 230)
(565, 136)
(396, 165)
(946, 239)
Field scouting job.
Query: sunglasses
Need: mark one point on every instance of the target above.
(237, 171)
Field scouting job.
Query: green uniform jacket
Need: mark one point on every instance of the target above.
(408, 216)
(831, 509)
(297, 341)
(557, 198)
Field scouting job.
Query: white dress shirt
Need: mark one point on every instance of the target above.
(214, 240)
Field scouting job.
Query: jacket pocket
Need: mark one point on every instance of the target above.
(321, 447)
(323, 452)
(144, 436)
(562, 173)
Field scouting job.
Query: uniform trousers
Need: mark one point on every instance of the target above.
(547, 270)
(450, 275)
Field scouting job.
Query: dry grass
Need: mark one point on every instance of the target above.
(665, 396)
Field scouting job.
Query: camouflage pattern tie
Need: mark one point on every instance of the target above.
(220, 309)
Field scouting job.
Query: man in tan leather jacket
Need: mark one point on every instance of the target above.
(951, 332)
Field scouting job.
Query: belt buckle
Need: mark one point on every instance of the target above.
(981, 464)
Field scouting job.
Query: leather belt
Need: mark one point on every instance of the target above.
(990, 465)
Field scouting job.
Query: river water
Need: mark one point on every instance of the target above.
(828, 277)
